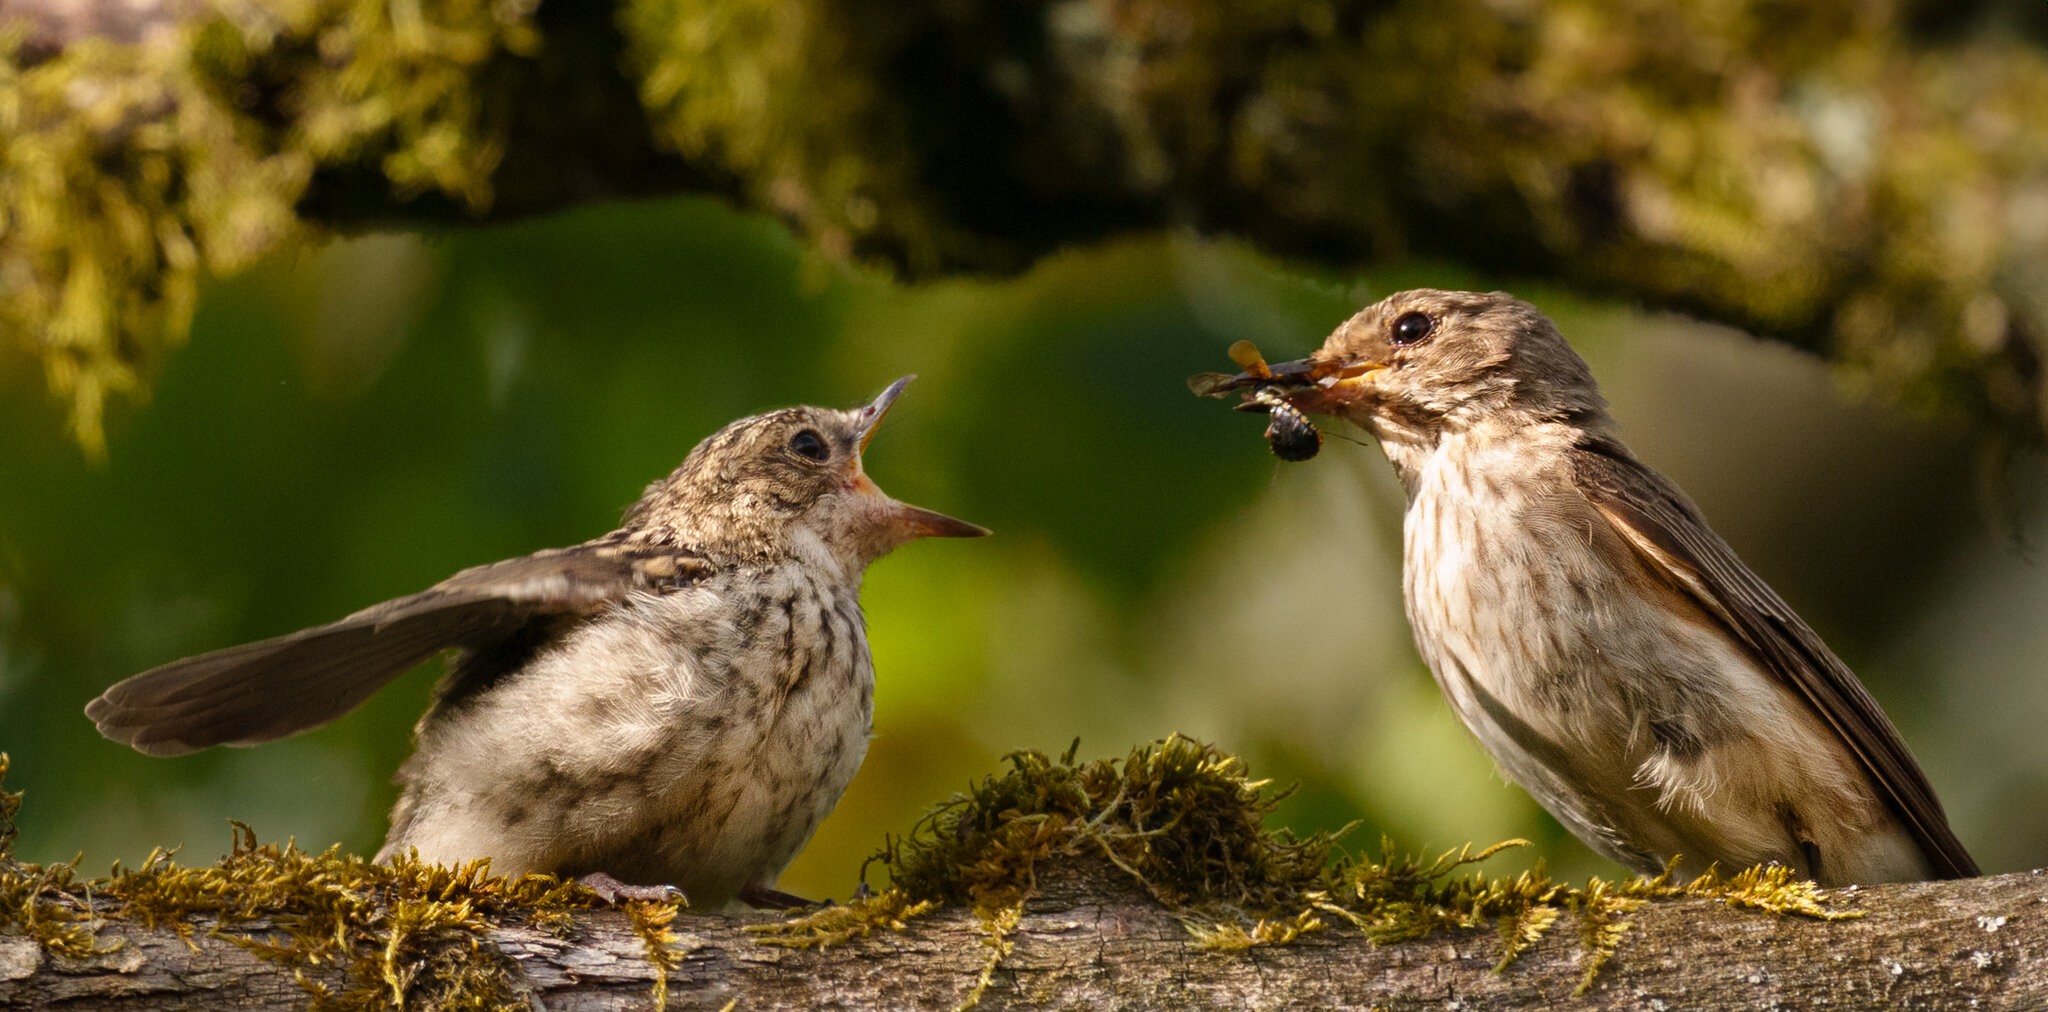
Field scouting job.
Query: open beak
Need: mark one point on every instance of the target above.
(871, 416)
(918, 522)
(909, 522)
(1311, 385)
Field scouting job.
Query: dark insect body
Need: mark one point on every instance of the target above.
(1289, 433)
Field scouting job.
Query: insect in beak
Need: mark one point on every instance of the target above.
(1281, 392)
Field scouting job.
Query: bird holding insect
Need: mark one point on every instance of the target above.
(1289, 433)
(1602, 642)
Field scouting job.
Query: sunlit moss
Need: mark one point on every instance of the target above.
(127, 171)
(1181, 820)
(33, 898)
(408, 933)
(651, 922)
(1185, 823)
(888, 910)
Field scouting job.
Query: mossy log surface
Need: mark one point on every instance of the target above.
(1865, 178)
(1145, 882)
(1091, 939)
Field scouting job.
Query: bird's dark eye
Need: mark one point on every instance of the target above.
(810, 446)
(1412, 328)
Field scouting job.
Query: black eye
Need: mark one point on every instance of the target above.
(1412, 328)
(810, 446)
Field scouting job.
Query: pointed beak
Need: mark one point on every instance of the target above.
(1312, 385)
(907, 521)
(918, 522)
(871, 416)
(1298, 373)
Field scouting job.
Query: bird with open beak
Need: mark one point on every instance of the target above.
(673, 705)
(1601, 641)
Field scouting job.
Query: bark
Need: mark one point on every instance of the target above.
(1866, 178)
(1087, 940)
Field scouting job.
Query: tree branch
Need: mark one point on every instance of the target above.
(1864, 179)
(1090, 939)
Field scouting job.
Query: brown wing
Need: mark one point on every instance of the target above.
(1668, 532)
(258, 692)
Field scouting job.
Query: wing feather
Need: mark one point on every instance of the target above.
(1667, 531)
(262, 691)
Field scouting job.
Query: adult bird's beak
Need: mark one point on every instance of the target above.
(1317, 386)
(902, 519)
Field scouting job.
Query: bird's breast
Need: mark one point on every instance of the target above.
(1502, 572)
(693, 738)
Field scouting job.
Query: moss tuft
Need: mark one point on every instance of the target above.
(1185, 822)
(35, 899)
(1180, 818)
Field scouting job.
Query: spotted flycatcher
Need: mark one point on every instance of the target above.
(1603, 643)
(676, 703)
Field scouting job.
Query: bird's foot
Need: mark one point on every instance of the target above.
(613, 891)
(766, 898)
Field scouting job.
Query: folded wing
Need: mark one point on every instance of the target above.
(1669, 534)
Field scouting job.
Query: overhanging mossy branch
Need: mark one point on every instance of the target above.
(1143, 883)
(1864, 179)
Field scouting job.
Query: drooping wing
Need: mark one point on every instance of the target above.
(258, 692)
(1668, 533)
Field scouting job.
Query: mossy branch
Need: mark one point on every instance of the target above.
(1138, 883)
(1866, 179)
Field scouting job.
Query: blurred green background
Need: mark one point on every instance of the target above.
(355, 423)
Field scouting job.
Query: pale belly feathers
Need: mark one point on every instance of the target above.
(697, 746)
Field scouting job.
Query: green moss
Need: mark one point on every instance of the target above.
(1185, 823)
(35, 899)
(1180, 819)
(409, 933)
(128, 171)
(651, 921)
(791, 99)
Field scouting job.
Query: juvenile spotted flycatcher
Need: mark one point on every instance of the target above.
(675, 704)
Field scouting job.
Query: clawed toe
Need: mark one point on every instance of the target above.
(612, 890)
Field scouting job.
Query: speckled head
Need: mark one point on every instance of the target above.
(1420, 362)
(788, 483)
(1426, 361)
